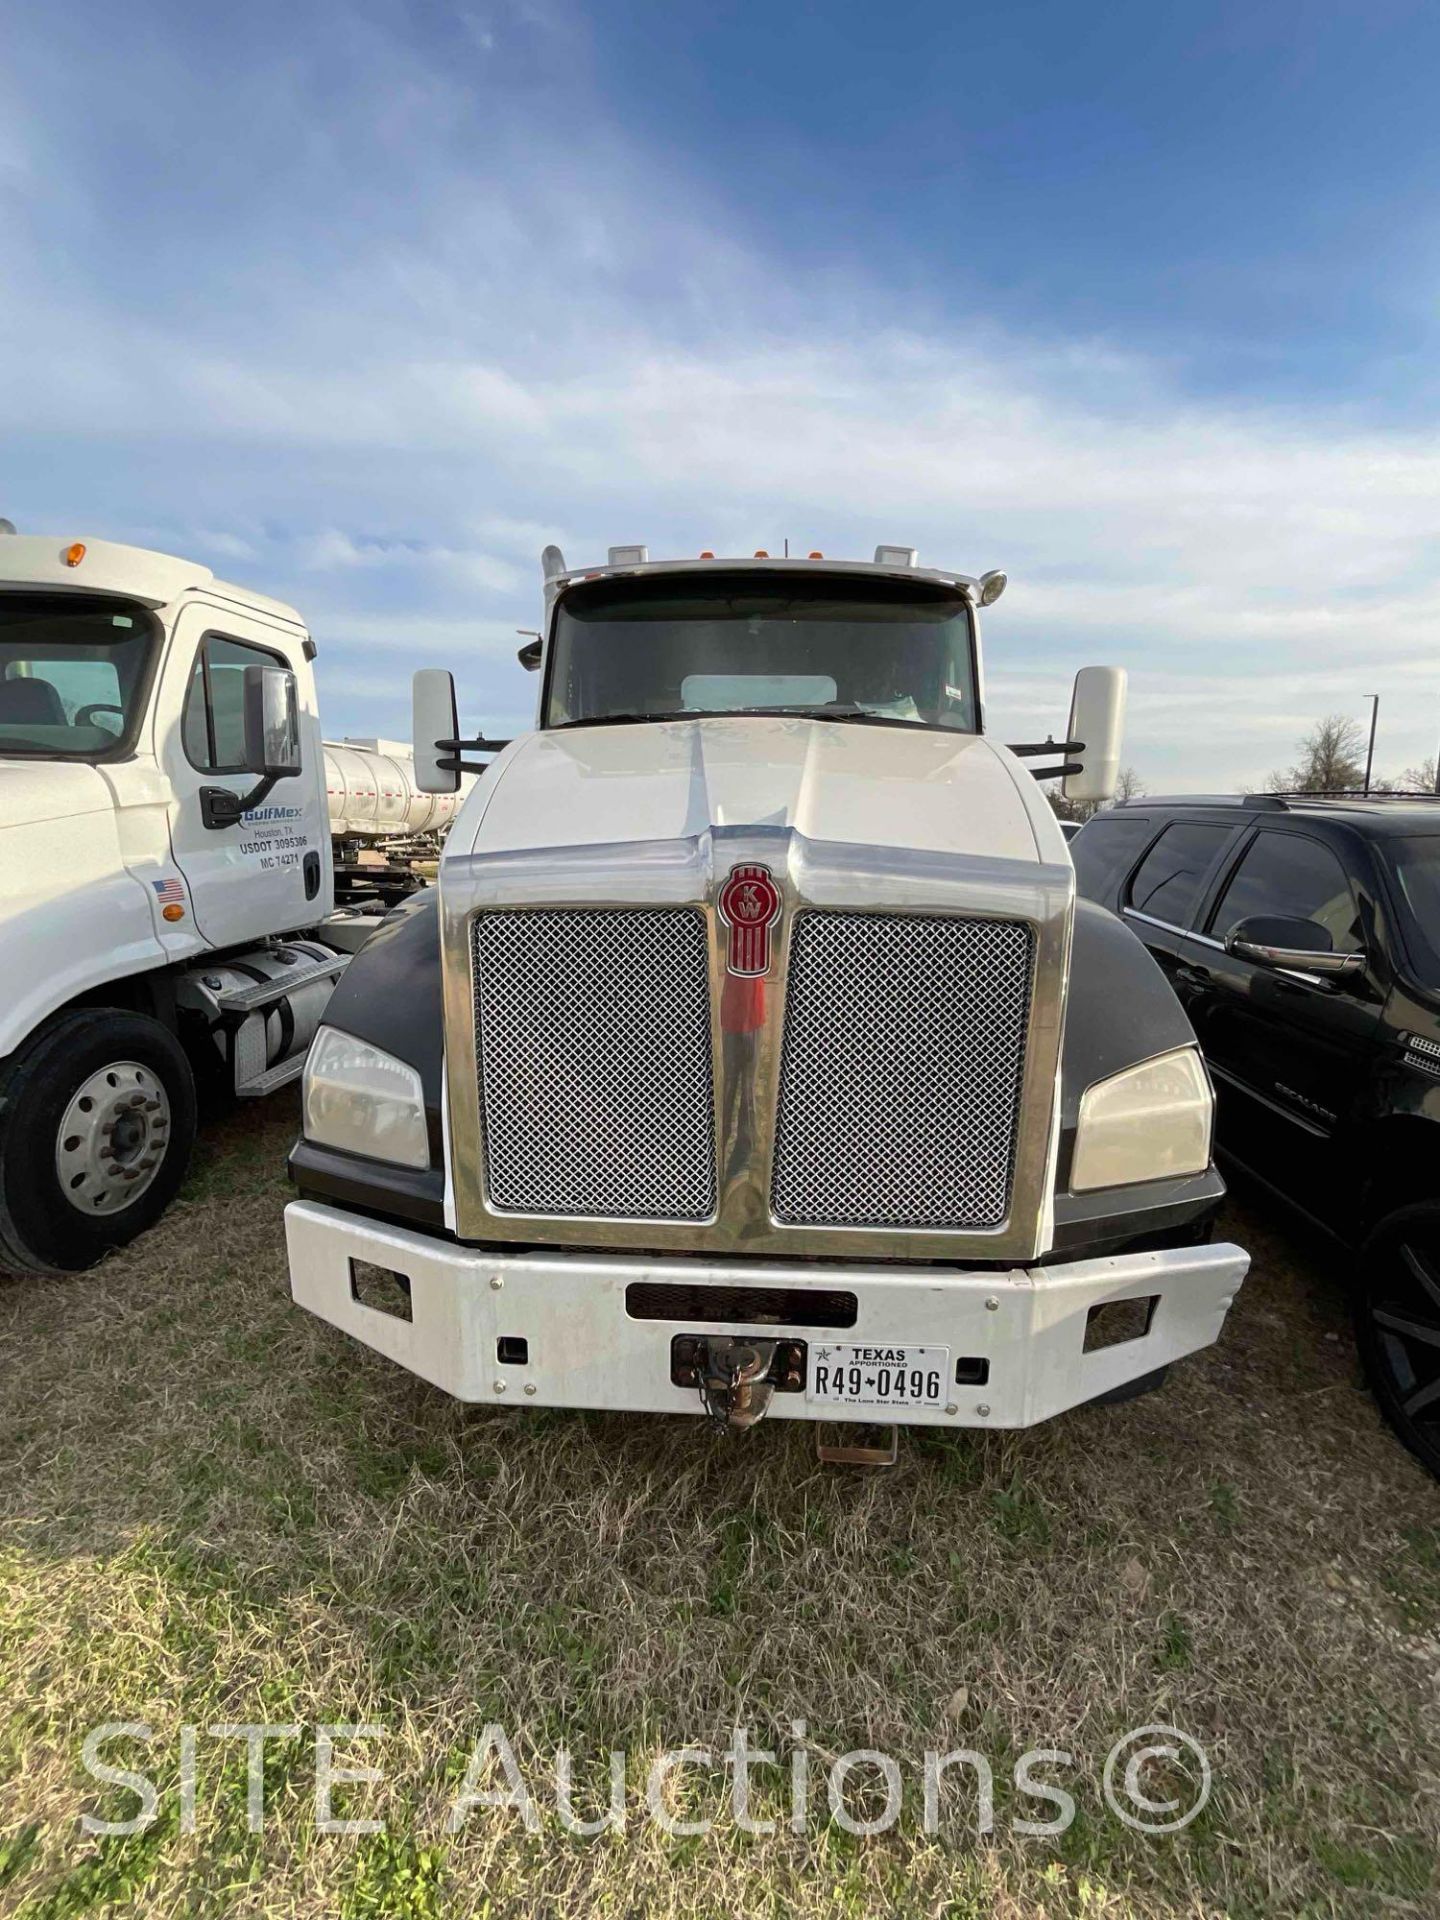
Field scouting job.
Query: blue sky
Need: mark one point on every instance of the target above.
(363, 305)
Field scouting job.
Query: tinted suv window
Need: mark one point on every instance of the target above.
(1167, 883)
(1103, 850)
(1290, 874)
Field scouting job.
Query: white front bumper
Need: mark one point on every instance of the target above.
(585, 1350)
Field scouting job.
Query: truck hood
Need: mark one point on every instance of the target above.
(879, 786)
(33, 791)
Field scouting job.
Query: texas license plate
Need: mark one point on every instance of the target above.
(878, 1376)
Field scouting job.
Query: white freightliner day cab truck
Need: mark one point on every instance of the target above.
(754, 1053)
(171, 828)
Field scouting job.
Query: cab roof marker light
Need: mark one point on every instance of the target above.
(992, 585)
(629, 556)
(707, 554)
(896, 556)
(817, 555)
(761, 554)
(74, 553)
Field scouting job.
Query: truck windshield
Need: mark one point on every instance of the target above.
(73, 674)
(876, 650)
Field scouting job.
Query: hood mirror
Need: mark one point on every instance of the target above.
(435, 731)
(1097, 724)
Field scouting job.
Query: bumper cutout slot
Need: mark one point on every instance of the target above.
(381, 1289)
(1113, 1323)
(691, 1301)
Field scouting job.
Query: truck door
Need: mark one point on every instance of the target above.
(271, 872)
(1288, 1049)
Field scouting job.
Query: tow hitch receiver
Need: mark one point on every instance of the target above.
(880, 1449)
(736, 1374)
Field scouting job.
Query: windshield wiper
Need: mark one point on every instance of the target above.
(622, 719)
(848, 710)
(840, 711)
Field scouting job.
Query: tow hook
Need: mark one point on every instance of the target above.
(736, 1375)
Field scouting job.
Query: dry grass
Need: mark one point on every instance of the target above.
(216, 1508)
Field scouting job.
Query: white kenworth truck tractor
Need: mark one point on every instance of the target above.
(754, 1054)
(167, 880)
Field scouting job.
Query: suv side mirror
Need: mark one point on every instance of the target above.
(1276, 940)
(272, 723)
(1097, 722)
(435, 731)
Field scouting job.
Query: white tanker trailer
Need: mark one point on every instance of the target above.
(371, 792)
(385, 833)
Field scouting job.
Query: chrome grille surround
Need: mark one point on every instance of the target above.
(684, 872)
(596, 1076)
(901, 1067)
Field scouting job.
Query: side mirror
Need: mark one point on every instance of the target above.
(435, 731)
(1276, 940)
(272, 723)
(270, 716)
(1097, 722)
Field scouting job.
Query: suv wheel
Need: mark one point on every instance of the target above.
(97, 1117)
(1397, 1324)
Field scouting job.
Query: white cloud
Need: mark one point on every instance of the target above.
(442, 329)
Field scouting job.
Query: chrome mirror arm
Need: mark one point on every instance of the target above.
(1296, 959)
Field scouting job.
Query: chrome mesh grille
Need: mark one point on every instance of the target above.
(901, 1069)
(593, 1031)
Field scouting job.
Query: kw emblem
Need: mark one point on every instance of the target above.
(749, 904)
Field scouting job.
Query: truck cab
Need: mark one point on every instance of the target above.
(165, 865)
(754, 1056)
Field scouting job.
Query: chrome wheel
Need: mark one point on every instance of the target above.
(112, 1139)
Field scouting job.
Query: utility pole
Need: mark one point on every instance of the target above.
(1374, 698)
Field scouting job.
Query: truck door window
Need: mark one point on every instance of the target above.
(1168, 880)
(74, 673)
(1103, 849)
(1291, 875)
(213, 726)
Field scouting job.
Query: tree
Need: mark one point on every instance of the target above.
(1128, 786)
(1419, 779)
(1332, 760)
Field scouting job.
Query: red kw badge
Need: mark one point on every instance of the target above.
(749, 904)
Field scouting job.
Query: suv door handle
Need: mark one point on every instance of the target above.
(1193, 976)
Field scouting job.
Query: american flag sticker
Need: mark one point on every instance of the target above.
(169, 892)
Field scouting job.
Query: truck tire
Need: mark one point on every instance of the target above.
(97, 1118)
(1397, 1324)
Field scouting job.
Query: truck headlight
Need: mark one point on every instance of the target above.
(1147, 1123)
(363, 1100)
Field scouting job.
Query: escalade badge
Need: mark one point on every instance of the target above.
(749, 904)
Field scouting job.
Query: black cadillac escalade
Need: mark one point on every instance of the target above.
(1302, 935)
